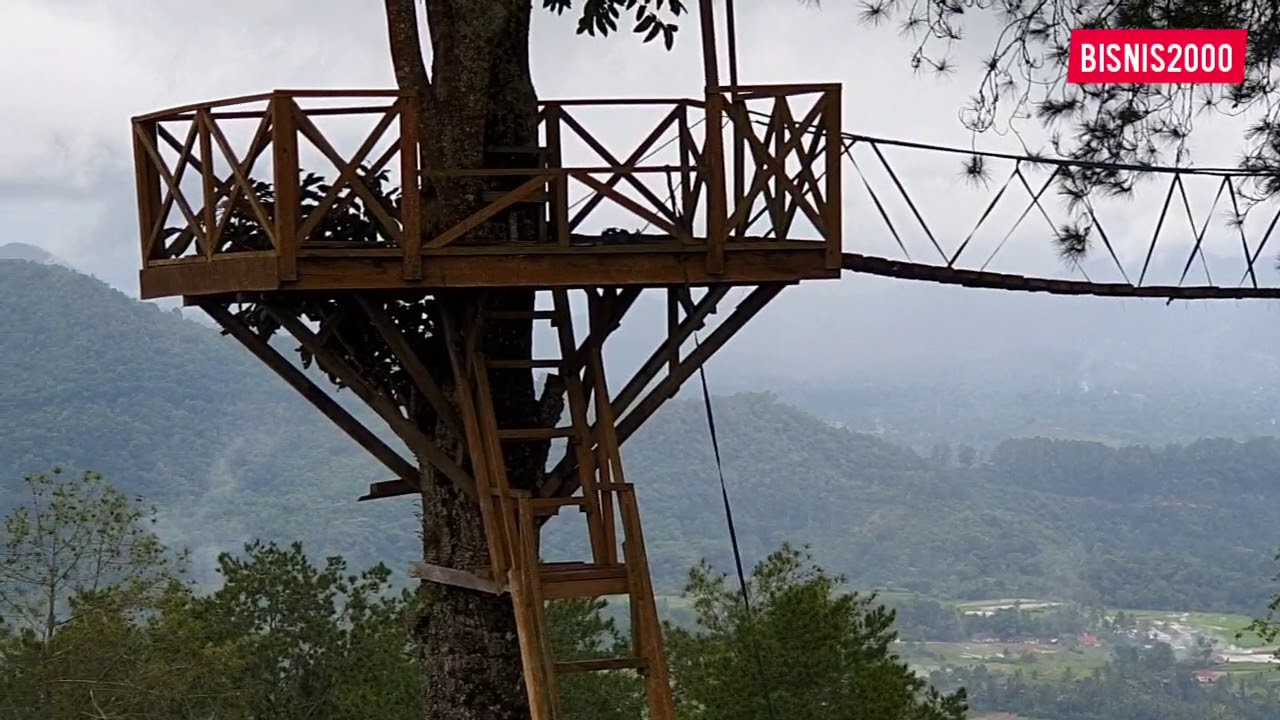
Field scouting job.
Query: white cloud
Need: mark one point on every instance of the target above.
(75, 71)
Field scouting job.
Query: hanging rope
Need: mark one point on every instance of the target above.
(733, 540)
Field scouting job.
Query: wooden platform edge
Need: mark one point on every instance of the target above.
(742, 267)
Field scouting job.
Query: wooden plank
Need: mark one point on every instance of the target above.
(588, 269)
(147, 180)
(207, 181)
(475, 220)
(560, 186)
(834, 207)
(457, 578)
(167, 113)
(668, 351)
(601, 664)
(244, 272)
(173, 179)
(561, 480)
(496, 529)
(348, 176)
(666, 389)
(648, 634)
(579, 421)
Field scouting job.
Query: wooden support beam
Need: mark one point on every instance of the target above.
(412, 364)
(747, 309)
(668, 352)
(561, 481)
(405, 470)
(417, 441)
(614, 313)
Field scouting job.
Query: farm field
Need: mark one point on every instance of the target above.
(1047, 661)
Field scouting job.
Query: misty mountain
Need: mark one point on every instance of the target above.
(922, 363)
(30, 253)
(169, 409)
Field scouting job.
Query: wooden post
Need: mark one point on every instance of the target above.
(148, 183)
(560, 185)
(717, 213)
(410, 188)
(284, 150)
(833, 213)
(204, 122)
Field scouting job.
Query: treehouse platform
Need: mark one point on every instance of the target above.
(317, 190)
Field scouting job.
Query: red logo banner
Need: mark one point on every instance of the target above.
(1157, 56)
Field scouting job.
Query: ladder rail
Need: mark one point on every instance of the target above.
(512, 516)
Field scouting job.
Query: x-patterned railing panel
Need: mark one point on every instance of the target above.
(965, 212)
(213, 177)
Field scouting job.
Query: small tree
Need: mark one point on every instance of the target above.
(78, 538)
(78, 570)
(823, 653)
(296, 640)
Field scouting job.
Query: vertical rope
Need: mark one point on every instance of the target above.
(731, 30)
(733, 539)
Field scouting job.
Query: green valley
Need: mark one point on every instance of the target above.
(1004, 561)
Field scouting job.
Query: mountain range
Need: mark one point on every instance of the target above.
(937, 500)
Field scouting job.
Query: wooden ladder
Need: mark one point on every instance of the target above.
(513, 518)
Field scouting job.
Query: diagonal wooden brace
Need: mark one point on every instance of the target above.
(403, 469)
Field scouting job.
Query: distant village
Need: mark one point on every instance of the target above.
(1212, 655)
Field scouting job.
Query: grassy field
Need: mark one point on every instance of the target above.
(1222, 626)
(1047, 661)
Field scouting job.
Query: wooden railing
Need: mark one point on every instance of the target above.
(237, 210)
(785, 163)
(205, 192)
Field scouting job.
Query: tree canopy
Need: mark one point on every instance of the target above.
(283, 637)
(1119, 126)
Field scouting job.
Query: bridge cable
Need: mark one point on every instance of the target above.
(733, 540)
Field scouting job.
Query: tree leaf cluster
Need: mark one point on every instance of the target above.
(286, 638)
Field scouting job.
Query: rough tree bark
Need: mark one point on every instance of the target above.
(479, 94)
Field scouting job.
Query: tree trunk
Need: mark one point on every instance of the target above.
(480, 94)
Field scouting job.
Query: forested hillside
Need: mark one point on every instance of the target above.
(169, 409)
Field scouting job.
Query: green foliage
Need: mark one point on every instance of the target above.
(822, 653)
(603, 16)
(184, 417)
(1025, 76)
(144, 396)
(1180, 527)
(581, 631)
(284, 638)
(75, 544)
(300, 641)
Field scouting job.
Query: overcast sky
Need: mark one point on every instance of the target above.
(75, 71)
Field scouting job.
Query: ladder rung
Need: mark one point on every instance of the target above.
(581, 580)
(521, 315)
(583, 666)
(491, 196)
(552, 506)
(525, 364)
(518, 149)
(545, 433)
